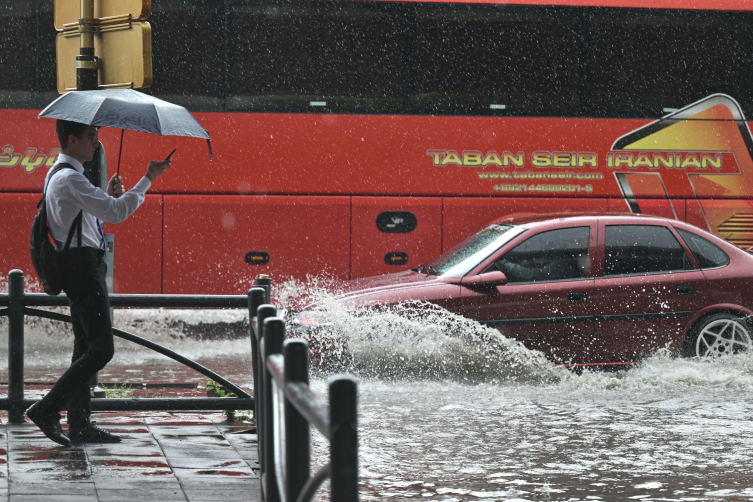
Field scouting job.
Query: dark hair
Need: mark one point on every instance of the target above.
(66, 128)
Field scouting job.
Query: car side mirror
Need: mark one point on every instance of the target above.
(495, 278)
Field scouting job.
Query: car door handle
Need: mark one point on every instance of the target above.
(577, 297)
(685, 289)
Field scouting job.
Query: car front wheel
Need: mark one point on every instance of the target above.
(719, 335)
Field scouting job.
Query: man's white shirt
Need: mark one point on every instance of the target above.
(70, 191)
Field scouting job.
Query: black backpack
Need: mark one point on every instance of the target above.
(45, 259)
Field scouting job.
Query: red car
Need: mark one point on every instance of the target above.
(587, 289)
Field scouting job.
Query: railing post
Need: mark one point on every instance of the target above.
(16, 346)
(343, 439)
(263, 312)
(273, 336)
(297, 428)
(255, 300)
(263, 281)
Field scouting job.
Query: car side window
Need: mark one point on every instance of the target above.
(708, 254)
(642, 249)
(554, 255)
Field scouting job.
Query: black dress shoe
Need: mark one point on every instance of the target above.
(90, 433)
(48, 423)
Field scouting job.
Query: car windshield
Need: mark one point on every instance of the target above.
(459, 260)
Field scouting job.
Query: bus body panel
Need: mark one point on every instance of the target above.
(17, 211)
(390, 234)
(707, 155)
(321, 181)
(217, 244)
(138, 241)
(360, 154)
(138, 249)
(300, 194)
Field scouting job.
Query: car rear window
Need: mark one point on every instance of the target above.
(708, 254)
(642, 249)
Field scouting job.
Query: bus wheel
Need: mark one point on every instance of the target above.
(719, 335)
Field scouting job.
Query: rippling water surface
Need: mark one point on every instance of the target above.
(450, 410)
(669, 430)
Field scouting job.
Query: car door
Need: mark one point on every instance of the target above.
(648, 288)
(547, 302)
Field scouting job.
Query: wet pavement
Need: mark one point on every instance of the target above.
(163, 457)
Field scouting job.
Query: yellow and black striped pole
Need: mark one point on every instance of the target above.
(87, 78)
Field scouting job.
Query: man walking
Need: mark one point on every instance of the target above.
(75, 210)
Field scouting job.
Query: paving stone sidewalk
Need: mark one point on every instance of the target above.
(163, 457)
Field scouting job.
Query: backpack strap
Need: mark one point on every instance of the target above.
(78, 220)
(55, 170)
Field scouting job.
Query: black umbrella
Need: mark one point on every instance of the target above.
(126, 109)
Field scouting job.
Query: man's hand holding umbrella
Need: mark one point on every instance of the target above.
(115, 186)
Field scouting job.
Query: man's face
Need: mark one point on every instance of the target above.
(83, 148)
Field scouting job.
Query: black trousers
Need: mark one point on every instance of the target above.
(93, 347)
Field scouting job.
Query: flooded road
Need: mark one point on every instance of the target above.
(450, 412)
(669, 430)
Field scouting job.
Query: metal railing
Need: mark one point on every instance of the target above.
(18, 303)
(286, 408)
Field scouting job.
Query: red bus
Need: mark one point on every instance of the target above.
(354, 138)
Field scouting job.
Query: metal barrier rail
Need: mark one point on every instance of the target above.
(18, 302)
(286, 408)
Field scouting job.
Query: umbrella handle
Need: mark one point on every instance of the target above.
(120, 152)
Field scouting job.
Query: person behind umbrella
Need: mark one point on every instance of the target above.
(69, 192)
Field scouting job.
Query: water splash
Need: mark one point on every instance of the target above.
(420, 340)
(49, 343)
(408, 341)
(664, 372)
(294, 294)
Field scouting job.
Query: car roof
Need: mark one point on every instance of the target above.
(526, 219)
(532, 221)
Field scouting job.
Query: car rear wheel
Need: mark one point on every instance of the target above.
(720, 335)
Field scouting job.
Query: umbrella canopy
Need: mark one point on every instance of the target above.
(125, 109)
